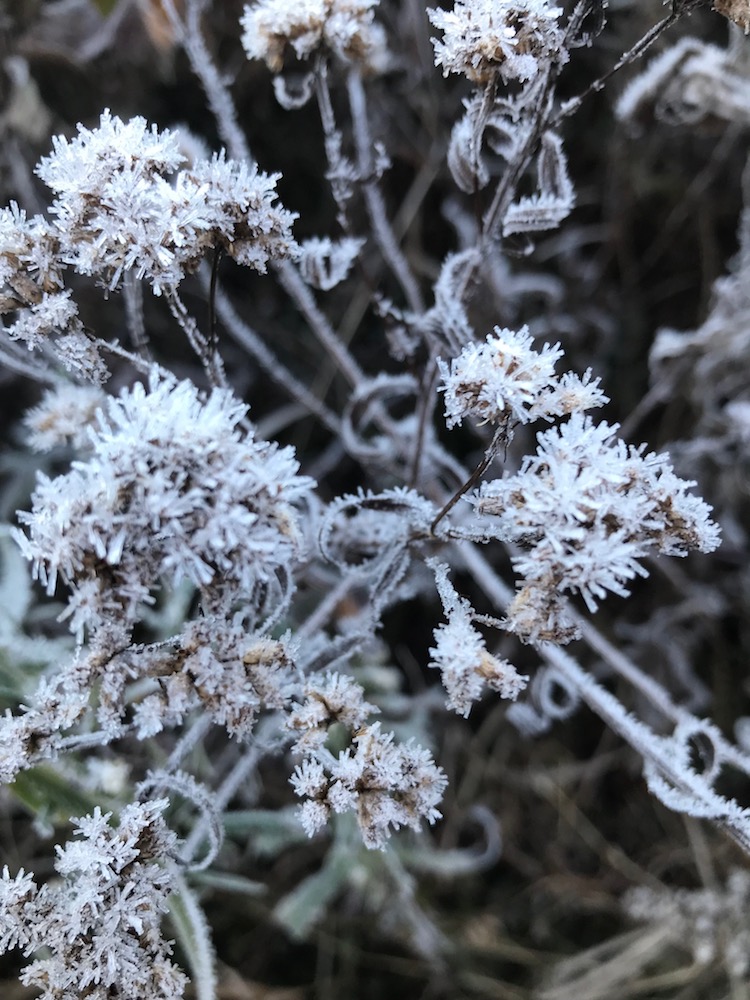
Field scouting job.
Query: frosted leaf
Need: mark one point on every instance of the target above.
(687, 83)
(324, 263)
(555, 198)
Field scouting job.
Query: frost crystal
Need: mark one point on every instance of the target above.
(585, 509)
(99, 925)
(345, 27)
(484, 38)
(505, 381)
(172, 489)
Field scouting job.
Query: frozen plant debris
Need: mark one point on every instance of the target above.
(63, 417)
(484, 39)
(172, 489)
(386, 784)
(346, 28)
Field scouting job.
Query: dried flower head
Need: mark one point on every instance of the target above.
(99, 924)
(172, 489)
(483, 39)
(344, 27)
(504, 381)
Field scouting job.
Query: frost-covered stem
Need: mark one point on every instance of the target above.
(211, 362)
(303, 298)
(382, 230)
(247, 763)
(187, 741)
(22, 362)
(325, 609)
(474, 478)
(332, 142)
(539, 122)
(427, 403)
(572, 105)
(140, 364)
(654, 692)
(270, 364)
(190, 36)
(132, 294)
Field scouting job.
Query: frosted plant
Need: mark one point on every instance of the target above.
(172, 489)
(116, 211)
(386, 784)
(346, 28)
(483, 39)
(461, 654)
(99, 925)
(231, 674)
(328, 700)
(687, 83)
(585, 509)
(324, 263)
(710, 922)
(505, 381)
(63, 417)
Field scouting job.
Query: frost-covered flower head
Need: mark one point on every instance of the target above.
(172, 489)
(99, 924)
(584, 510)
(116, 209)
(485, 38)
(386, 784)
(505, 381)
(345, 27)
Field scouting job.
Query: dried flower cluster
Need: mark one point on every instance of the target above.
(101, 923)
(346, 28)
(171, 490)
